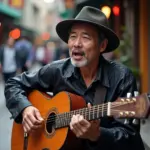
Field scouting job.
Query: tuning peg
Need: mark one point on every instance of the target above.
(129, 95)
(135, 121)
(126, 120)
(136, 93)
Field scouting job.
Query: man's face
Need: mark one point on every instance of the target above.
(83, 44)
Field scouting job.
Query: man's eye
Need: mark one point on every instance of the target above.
(86, 37)
(72, 36)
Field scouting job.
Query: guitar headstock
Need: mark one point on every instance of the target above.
(134, 107)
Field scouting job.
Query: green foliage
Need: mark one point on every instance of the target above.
(124, 53)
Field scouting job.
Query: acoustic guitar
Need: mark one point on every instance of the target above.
(57, 112)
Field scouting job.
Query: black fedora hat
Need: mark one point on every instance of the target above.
(92, 16)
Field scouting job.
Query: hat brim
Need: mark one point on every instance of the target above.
(63, 29)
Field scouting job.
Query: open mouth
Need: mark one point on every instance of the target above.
(77, 55)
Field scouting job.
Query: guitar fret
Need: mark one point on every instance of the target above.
(95, 112)
(89, 114)
(64, 119)
(102, 110)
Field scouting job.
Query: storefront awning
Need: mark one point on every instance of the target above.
(5, 9)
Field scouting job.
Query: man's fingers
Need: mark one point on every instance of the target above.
(26, 127)
(34, 120)
(29, 122)
(83, 124)
(79, 125)
(73, 124)
(38, 115)
(76, 126)
(89, 105)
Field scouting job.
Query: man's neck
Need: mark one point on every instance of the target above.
(89, 73)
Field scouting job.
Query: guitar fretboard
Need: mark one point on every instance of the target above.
(95, 112)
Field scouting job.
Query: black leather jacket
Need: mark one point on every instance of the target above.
(63, 76)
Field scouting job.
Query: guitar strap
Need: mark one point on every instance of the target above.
(100, 94)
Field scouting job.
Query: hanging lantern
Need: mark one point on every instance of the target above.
(106, 10)
(15, 33)
(116, 10)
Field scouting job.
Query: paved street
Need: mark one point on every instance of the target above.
(6, 124)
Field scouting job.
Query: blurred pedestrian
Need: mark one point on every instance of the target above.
(8, 59)
(24, 53)
(44, 54)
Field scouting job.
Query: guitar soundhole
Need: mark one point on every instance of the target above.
(50, 124)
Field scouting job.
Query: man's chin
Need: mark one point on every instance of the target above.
(78, 63)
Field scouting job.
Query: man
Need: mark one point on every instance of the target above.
(24, 53)
(8, 59)
(88, 36)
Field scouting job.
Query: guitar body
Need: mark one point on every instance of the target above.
(47, 138)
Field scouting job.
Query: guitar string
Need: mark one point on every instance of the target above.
(66, 122)
(63, 115)
(93, 113)
(86, 112)
(96, 107)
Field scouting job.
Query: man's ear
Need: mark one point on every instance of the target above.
(103, 45)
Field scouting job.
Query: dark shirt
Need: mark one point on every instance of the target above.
(63, 76)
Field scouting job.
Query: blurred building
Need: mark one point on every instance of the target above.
(32, 17)
(8, 16)
(39, 16)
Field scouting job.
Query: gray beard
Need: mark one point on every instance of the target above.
(79, 64)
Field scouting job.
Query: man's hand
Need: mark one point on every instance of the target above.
(85, 129)
(32, 119)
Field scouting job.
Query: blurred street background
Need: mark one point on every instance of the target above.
(27, 28)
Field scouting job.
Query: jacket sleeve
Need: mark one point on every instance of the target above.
(17, 89)
(119, 136)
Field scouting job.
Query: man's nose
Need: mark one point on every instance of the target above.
(77, 42)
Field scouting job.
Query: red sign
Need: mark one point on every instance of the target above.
(116, 10)
(16, 3)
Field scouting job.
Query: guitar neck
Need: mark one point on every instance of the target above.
(95, 112)
(134, 107)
